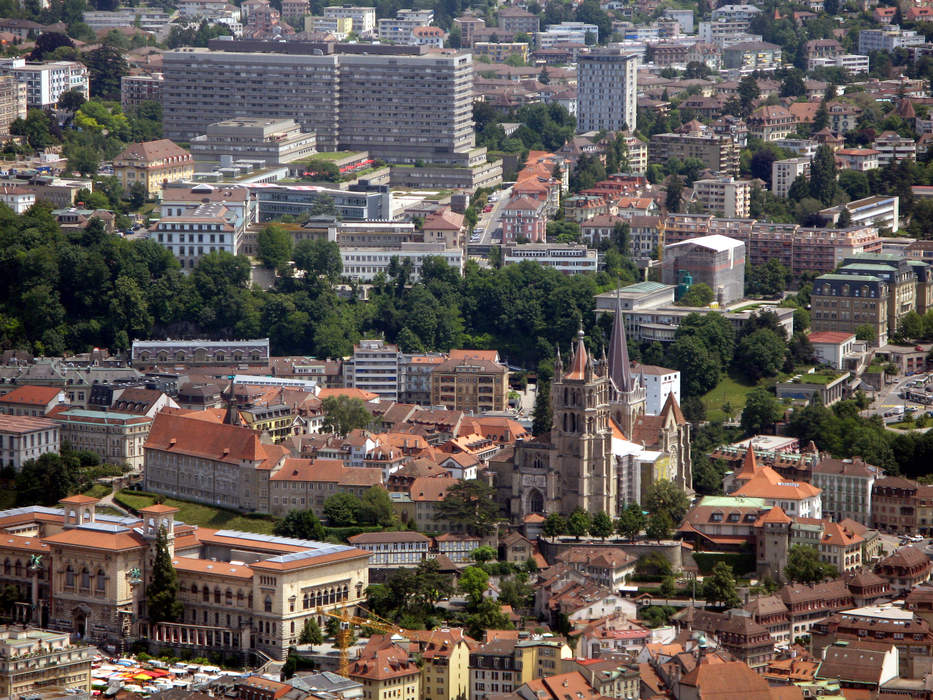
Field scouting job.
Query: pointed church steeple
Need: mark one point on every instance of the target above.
(558, 366)
(620, 371)
(579, 362)
(232, 416)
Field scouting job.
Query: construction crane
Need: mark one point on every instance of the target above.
(344, 634)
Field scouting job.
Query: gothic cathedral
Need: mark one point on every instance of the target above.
(600, 439)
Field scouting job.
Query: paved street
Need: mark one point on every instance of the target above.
(489, 221)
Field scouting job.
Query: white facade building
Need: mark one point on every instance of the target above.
(393, 549)
(846, 488)
(724, 196)
(23, 438)
(374, 368)
(17, 198)
(568, 258)
(46, 82)
(784, 172)
(607, 82)
(364, 18)
(659, 383)
(565, 33)
(363, 264)
(399, 28)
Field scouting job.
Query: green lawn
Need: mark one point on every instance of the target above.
(198, 514)
(732, 389)
(98, 491)
(331, 155)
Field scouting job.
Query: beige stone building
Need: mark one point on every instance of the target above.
(117, 437)
(12, 102)
(32, 659)
(386, 671)
(86, 574)
(153, 163)
(304, 484)
(471, 380)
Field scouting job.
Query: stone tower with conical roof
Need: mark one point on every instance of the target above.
(628, 396)
(581, 434)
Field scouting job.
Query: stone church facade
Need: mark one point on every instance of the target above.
(602, 451)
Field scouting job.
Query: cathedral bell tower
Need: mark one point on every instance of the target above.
(581, 434)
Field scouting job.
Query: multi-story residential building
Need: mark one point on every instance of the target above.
(893, 147)
(860, 159)
(569, 258)
(499, 51)
(46, 82)
(12, 102)
(894, 505)
(715, 260)
(717, 152)
(740, 635)
(364, 18)
(882, 624)
(338, 26)
(390, 550)
(473, 381)
(606, 91)
(659, 383)
(566, 33)
(723, 31)
(117, 437)
(846, 488)
(752, 55)
(272, 141)
(771, 122)
(31, 400)
(784, 172)
(843, 302)
(150, 19)
(331, 95)
(33, 659)
(17, 197)
(181, 199)
(445, 673)
(295, 9)
(399, 28)
(887, 39)
(445, 226)
(736, 12)
(524, 220)
(470, 25)
(724, 196)
(905, 569)
(808, 604)
(23, 438)
(494, 668)
(305, 484)
(515, 20)
(136, 89)
(854, 63)
(646, 233)
(364, 264)
(800, 250)
(207, 229)
(374, 367)
(153, 164)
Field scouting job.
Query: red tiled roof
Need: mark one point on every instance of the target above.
(30, 394)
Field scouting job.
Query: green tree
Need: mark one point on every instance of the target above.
(663, 496)
(866, 332)
(318, 258)
(300, 524)
(543, 413)
(820, 119)
(668, 588)
(474, 582)
(699, 368)
(487, 616)
(554, 525)
(720, 587)
(275, 247)
(311, 632)
(601, 526)
(47, 42)
(470, 504)
(483, 554)
(804, 565)
(578, 524)
(376, 507)
(162, 604)
(760, 353)
(71, 100)
(748, 92)
(823, 175)
(106, 66)
(47, 480)
(343, 414)
(700, 294)
(672, 199)
(659, 526)
(762, 410)
(342, 509)
(631, 521)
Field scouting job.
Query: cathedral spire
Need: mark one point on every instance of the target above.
(620, 372)
(579, 361)
(558, 365)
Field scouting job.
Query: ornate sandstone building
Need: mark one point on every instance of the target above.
(603, 451)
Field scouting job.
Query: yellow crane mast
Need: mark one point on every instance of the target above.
(344, 634)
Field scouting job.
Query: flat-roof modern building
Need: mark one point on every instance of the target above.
(717, 261)
(272, 141)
